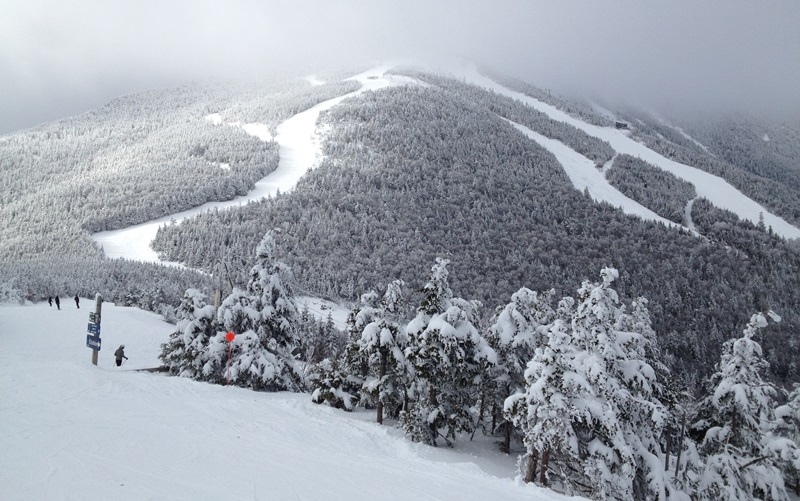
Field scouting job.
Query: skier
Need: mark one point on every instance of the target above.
(120, 354)
(50, 301)
(58, 303)
(77, 302)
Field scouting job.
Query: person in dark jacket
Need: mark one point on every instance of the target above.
(58, 303)
(120, 354)
(77, 302)
(50, 301)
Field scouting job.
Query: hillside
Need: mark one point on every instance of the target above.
(436, 167)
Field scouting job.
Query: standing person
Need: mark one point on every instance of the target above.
(50, 301)
(58, 303)
(77, 302)
(120, 354)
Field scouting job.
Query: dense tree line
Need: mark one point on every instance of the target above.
(591, 147)
(757, 168)
(131, 283)
(593, 405)
(138, 158)
(405, 181)
(592, 401)
(656, 189)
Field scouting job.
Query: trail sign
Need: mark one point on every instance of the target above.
(93, 339)
(93, 342)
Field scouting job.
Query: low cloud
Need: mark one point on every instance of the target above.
(63, 58)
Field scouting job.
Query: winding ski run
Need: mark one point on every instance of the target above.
(300, 150)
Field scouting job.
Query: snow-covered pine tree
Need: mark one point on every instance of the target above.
(264, 320)
(515, 332)
(545, 413)
(382, 343)
(608, 461)
(649, 424)
(589, 408)
(183, 353)
(448, 357)
(277, 325)
(338, 382)
(329, 385)
(737, 423)
(788, 425)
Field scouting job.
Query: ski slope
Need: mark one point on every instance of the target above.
(300, 149)
(585, 176)
(718, 191)
(74, 431)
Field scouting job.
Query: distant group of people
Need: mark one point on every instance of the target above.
(58, 301)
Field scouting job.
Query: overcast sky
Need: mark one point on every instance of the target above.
(63, 57)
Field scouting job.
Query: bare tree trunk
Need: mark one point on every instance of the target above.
(380, 389)
(680, 445)
(433, 402)
(543, 469)
(530, 470)
(506, 437)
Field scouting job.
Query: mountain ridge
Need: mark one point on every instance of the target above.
(563, 237)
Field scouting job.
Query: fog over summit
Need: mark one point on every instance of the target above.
(62, 58)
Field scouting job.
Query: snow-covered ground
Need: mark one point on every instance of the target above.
(72, 430)
(300, 150)
(718, 191)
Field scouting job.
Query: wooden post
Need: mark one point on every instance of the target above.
(98, 302)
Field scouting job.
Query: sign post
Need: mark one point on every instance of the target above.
(93, 329)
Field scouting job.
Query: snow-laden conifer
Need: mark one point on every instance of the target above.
(339, 381)
(737, 420)
(382, 343)
(264, 321)
(184, 352)
(545, 412)
(515, 332)
(274, 299)
(788, 425)
(448, 357)
(590, 413)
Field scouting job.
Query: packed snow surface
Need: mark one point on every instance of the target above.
(72, 430)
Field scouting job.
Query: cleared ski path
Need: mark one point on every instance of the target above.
(718, 191)
(299, 150)
(586, 176)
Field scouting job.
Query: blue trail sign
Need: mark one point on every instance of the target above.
(93, 342)
(94, 329)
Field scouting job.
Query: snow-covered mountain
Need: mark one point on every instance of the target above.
(518, 187)
(364, 178)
